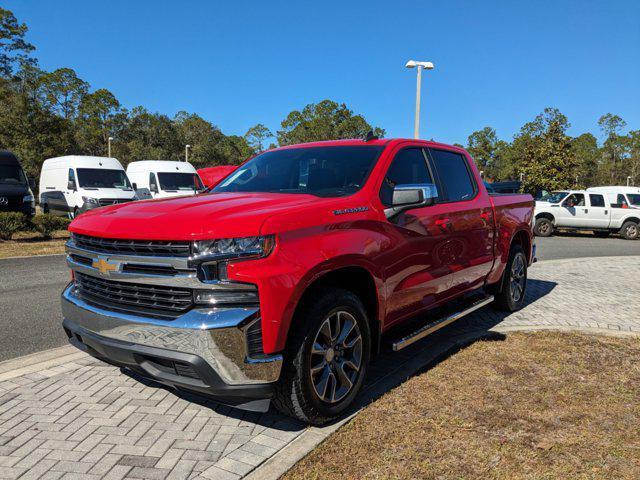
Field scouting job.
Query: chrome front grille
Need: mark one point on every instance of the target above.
(138, 299)
(156, 248)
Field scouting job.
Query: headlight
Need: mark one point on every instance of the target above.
(28, 199)
(90, 200)
(234, 247)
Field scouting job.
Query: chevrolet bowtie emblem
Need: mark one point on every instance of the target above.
(104, 266)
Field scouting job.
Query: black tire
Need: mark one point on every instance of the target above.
(543, 228)
(630, 230)
(45, 208)
(296, 392)
(506, 298)
(602, 233)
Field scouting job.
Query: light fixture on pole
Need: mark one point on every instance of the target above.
(420, 66)
(186, 152)
(628, 181)
(109, 140)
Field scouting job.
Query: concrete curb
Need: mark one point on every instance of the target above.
(37, 362)
(34, 256)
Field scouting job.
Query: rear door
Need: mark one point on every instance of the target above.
(465, 216)
(598, 212)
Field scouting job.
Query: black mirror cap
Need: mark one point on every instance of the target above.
(134, 185)
(71, 185)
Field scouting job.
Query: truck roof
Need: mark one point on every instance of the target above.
(378, 141)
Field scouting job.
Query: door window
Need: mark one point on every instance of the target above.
(574, 200)
(621, 202)
(409, 166)
(596, 200)
(153, 185)
(454, 176)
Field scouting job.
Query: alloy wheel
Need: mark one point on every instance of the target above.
(518, 278)
(336, 357)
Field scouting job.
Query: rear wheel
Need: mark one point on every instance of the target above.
(514, 283)
(543, 227)
(327, 358)
(630, 231)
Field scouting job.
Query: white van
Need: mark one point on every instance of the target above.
(73, 184)
(627, 197)
(164, 178)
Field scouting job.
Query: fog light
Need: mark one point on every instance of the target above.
(225, 297)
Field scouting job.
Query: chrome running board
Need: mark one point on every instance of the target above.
(438, 324)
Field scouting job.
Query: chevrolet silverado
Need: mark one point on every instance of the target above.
(281, 283)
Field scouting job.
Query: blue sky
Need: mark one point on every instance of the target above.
(239, 63)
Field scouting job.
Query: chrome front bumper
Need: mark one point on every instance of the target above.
(216, 335)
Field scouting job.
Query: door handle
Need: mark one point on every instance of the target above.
(586, 210)
(606, 212)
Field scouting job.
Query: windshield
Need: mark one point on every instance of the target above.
(179, 181)
(12, 175)
(553, 197)
(103, 178)
(634, 199)
(320, 171)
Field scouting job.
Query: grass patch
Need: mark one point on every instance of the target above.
(31, 243)
(539, 405)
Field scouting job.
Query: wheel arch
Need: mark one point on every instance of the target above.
(355, 278)
(547, 215)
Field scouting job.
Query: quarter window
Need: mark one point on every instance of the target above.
(596, 200)
(454, 176)
(408, 167)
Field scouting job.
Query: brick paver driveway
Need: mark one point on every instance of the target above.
(85, 419)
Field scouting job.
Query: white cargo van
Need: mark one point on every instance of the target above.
(73, 184)
(626, 197)
(164, 178)
(585, 210)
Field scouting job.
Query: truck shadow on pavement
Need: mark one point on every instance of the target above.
(388, 369)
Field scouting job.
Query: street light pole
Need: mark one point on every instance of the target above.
(420, 66)
(628, 181)
(186, 152)
(109, 146)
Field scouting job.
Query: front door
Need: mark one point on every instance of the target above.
(465, 214)
(416, 270)
(572, 211)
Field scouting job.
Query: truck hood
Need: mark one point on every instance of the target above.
(207, 216)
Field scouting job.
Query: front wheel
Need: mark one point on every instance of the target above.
(543, 227)
(514, 283)
(630, 231)
(327, 358)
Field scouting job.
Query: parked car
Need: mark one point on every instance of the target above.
(283, 281)
(211, 176)
(164, 178)
(585, 210)
(622, 197)
(74, 184)
(503, 187)
(16, 193)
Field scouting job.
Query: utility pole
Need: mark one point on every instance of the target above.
(109, 140)
(186, 152)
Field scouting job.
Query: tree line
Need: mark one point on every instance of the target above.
(47, 114)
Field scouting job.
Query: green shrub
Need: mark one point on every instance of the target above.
(46, 224)
(10, 223)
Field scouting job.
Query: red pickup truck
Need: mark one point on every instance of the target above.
(282, 282)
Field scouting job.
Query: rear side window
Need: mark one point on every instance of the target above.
(596, 200)
(409, 166)
(454, 176)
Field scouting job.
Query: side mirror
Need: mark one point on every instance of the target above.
(71, 185)
(153, 187)
(411, 196)
(32, 184)
(134, 185)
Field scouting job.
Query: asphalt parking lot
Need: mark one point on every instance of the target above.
(30, 313)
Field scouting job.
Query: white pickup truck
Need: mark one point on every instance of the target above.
(586, 210)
